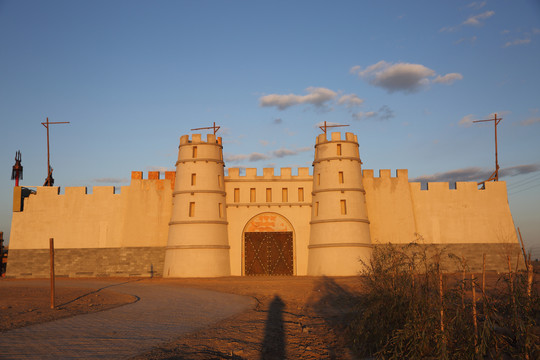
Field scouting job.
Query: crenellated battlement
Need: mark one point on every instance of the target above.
(268, 174)
(196, 139)
(461, 187)
(386, 174)
(336, 136)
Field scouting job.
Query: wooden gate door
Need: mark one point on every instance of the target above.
(268, 253)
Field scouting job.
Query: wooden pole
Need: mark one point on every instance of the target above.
(523, 249)
(483, 274)
(474, 314)
(51, 252)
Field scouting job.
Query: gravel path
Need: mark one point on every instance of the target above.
(161, 314)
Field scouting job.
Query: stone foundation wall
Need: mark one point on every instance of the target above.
(129, 261)
(472, 254)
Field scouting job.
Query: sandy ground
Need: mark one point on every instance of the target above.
(295, 317)
(22, 305)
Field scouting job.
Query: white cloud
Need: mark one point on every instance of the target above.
(475, 20)
(264, 142)
(317, 96)
(350, 100)
(404, 77)
(111, 180)
(235, 158)
(256, 156)
(517, 42)
(477, 4)
(448, 78)
(384, 113)
(471, 40)
(466, 121)
(477, 173)
(530, 121)
(288, 152)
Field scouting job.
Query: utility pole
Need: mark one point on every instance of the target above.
(215, 128)
(325, 126)
(495, 175)
(49, 181)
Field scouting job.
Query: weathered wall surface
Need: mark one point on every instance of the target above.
(127, 261)
(398, 210)
(463, 215)
(82, 223)
(138, 216)
(390, 209)
(295, 208)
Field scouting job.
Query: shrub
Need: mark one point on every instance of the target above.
(408, 311)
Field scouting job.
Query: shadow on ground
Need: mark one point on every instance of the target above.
(336, 305)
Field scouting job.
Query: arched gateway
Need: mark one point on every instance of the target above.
(268, 245)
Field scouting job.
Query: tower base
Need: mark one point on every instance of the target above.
(338, 259)
(197, 262)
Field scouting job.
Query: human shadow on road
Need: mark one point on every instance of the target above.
(100, 289)
(335, 304)
(273, 346)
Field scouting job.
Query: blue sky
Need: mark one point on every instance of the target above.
(408, 77)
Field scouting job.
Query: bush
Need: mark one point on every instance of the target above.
(406, 312)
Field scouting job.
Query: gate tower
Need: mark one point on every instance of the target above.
(339, 235)
(198, 244)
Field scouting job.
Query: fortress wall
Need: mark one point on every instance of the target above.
(463, 215)
(389, 207)
(81, 223)
(296, 211)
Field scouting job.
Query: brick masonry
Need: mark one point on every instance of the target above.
(148, 261)
(451, 256)
(103, 262)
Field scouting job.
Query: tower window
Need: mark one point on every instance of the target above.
(268, 195)
(318, 179)
(193, 179)
(236, 195)
(252, 195)
(219, 180)
(340, 174)
(191, 209)
(220, 210)
(316, 208)
(343, 207)
(194, 152)
(284, 194)
(300, 194)
(339, 149)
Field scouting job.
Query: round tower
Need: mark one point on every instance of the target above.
(198, 244)
(339, 236)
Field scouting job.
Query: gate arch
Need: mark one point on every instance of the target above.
(268, 245)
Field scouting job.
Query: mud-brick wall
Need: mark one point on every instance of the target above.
(98, 262)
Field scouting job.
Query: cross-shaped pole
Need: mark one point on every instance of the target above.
(495, 175)
(49, 181)
(216, 128)
(325, 126)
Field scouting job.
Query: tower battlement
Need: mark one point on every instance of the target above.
(268, 174)
(336, 136)
(196, 139)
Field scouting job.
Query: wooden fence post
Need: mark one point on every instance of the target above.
(51, 253)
